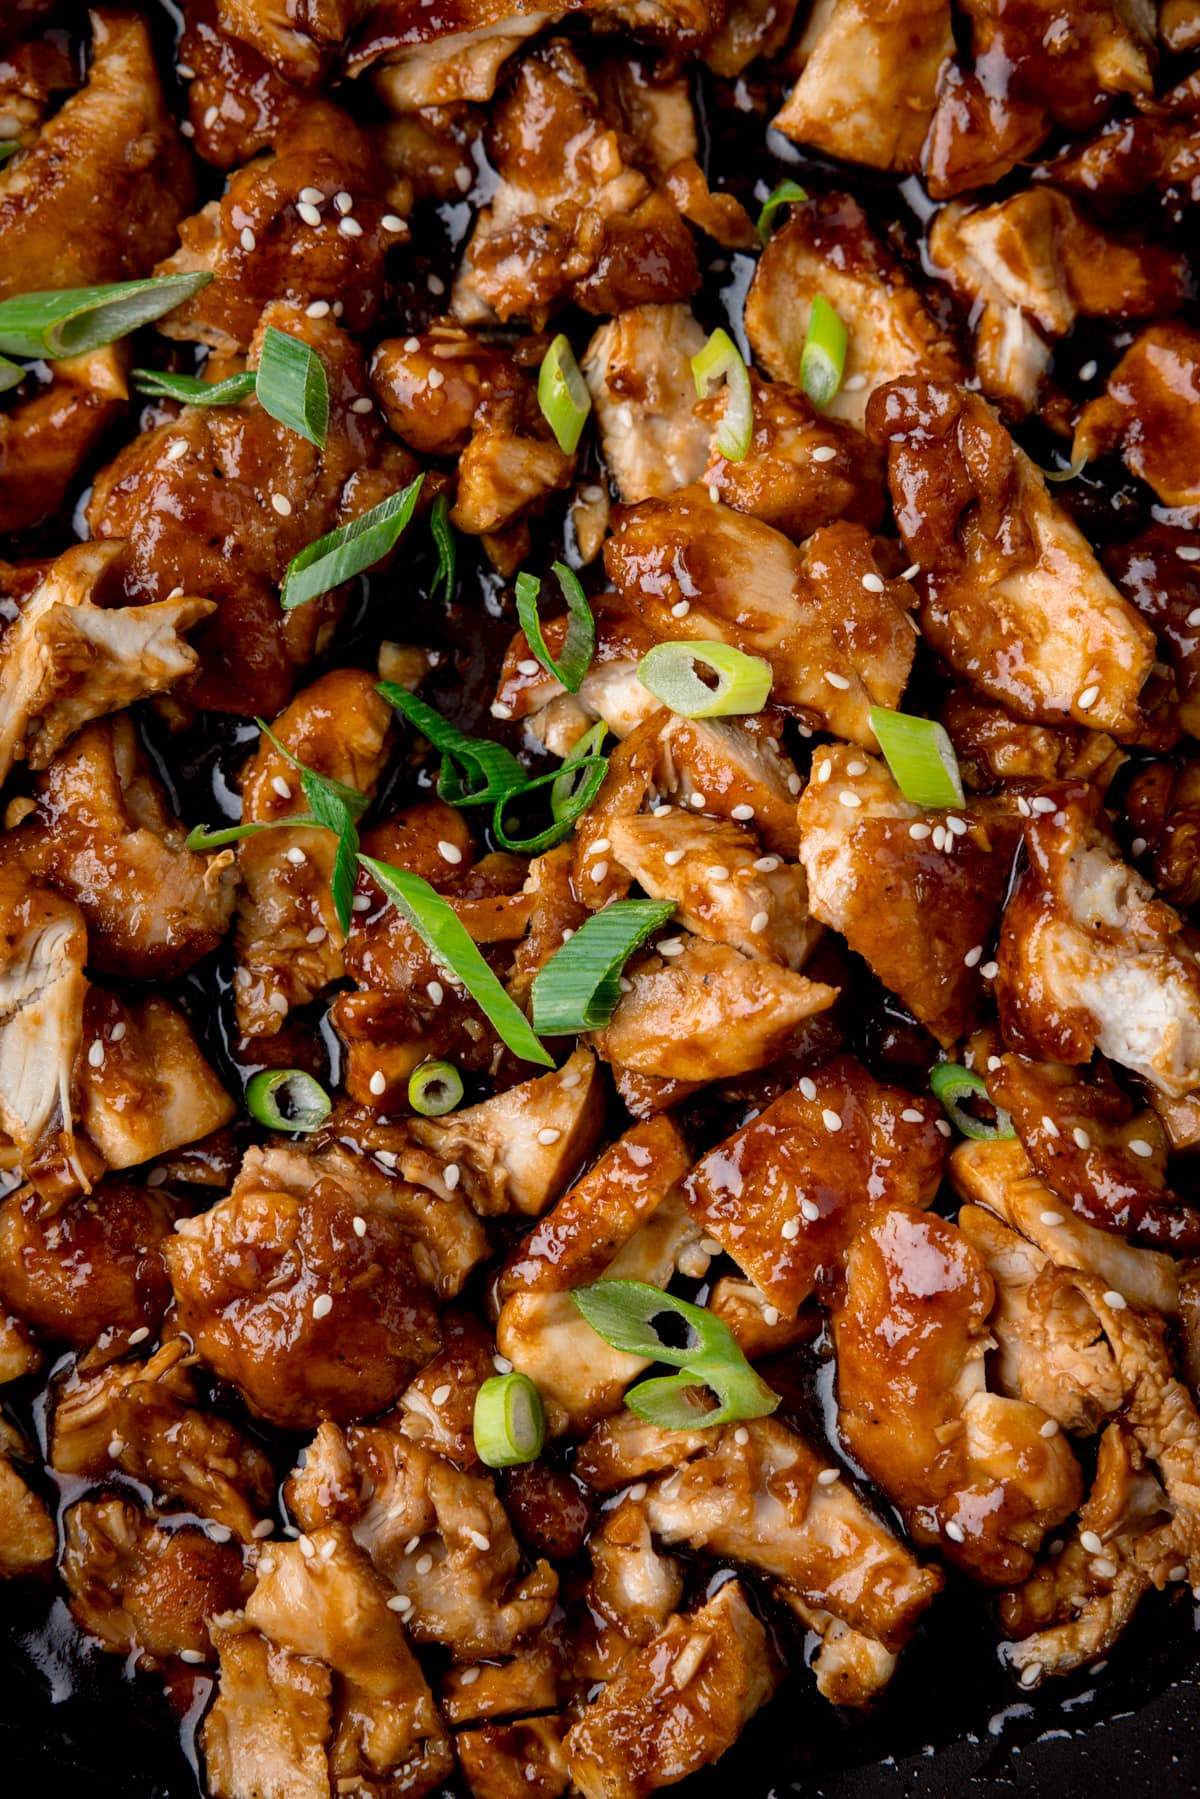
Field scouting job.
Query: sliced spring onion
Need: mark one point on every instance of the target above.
(592, 769)
(8, 148)
(823, 358)
(474, 770)
(1065, 474)
(720, 359)
(305, 1107)
(203, 839)
(71, 321)
(920, 756)
(510, 1421)
(624, 1314)
(443, 537)
(291, 385)
(190, 389)
(434, 1089)
(443, 932)
(563, 395)
(951, 1083)
(348, 551)
(10, 374)
(578, 988)
(784, 195)
(564, 794)
(669, 671)
(579, 645)
(336, 808)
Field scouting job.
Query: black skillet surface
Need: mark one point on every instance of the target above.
(73, 1723)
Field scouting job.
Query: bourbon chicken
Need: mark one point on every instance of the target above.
(599, 853)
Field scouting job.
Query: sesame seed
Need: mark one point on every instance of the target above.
(790, 1229)
(247, 238)
(760, 921)
(836, 680)
(599, 870)
(918, 832)
(308, 215)
(1087, 371)
(449, 852)
(480, 1541)
(681, 608)
(118, 1031)
(854, 384)
(501, 1364)
(856, 768)
(322, 1305)
(280, 786)
(282, 504)
(973, 955)
(362, 404)
(399, 1602)
(548, 1135)
(828, 1477)
(343, 201)
(469, 1676)
(718, 872)
(175, 449)
(115, 1446)
(955, 1532)
(386, 1156)
(190, 1655)
(1049, 1126)
(436, 991)
(263, 1528)
(157, 1176)
(941, 1127)
(307, 1547)
(824, 773)
(1178, 1572)
(714, 493)
(296, 857)
(913, 569)
(361, 902)
(435, 284)
(96, 1054)
(1043, 803)
(990, 970)
(185, 71)
(1022, 805)
(910, 1115)
(187, 129)
(211, 115)
(1051, 1217)
(139, 1335)
(1116, 1302)
(1082, 1140)
(391, 221)
(698, 801)
(412, 344)
(378, 1081)
(662, 811)
(360, 1225)
(1104, 1566)
(1140, 1147)
(766, 865)
(808, 1087)
(451, 1174)
(1138, 846)
(350, 228)
(873, 583)
(435, 378)
(993, 1063)
(1049, 1429)
(824, 453)
(527, 666)
(957, 825)
(810, 1209)
(674, 857)
(424, 1564)
(847, 798)
(1090, 1542)
(830, 1119)
(318, 934)
(441, 1394)
(601, 845)
(1032, 1674)
(1088, 698)
(671, 946)
(1188, 553)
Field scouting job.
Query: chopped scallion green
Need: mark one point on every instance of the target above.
(434, 1089)
(292, 386)
(190, 389)
(563, 395)
(474, 770)
(443, 536)
(952, 1083)
(510, 1421)
(72, 321)
(305, 1107)
(786, 194)
(578, 988)
(350, 550)
(823, 359)
(579, 645)
(920, 756)
(669, 671)
(720, 359)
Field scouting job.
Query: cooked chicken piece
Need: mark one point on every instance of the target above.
(677, 1705)
(589, 229)
(639, 370)
(528, 1683)
(27, 1536)
(786, 1194)
(575, 1241)
(633, 1590)
(526, 1760)
(970, 1470)
(556, 912)
(544, 1335)
(835, 646)
(144, 1086)
(1189, 1321)
(88, 1266)
(18, 1354)
(437, 60)
(787, 478)
(103, 835)
(144, 1418)
(705, 1012)
(302, 42)
(1024, 74)
(202, 519)
(1029, 267)
(752, 28)
(1162, 805)
(1153, 570)
(916, 892)
(991, 746)
(1148, 411)
(1073, 1608)
(321, 1598)
(438, 1535)
(1156, 149)
(710, 869)
(143, 1591)
(43, 945)
(1013, 596)
(610, 689)
(625, 1448)
(270, 1722)
(37, 71)
(66, 660)
(869, 80)
(629, 782)
(441, 1421)
(46, 439)
(734, 772)
(1091, 959)
(850, 1667)
(341, 728)
(110, 156)
(1094, 1148)
(759, 1501)
(826, 247)
(761, 1329)
(447, 393)
(652, 104)
(310, 1305)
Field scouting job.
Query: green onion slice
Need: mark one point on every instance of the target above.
(580, 644)
(306, 1101)
(785, 194)
(720, 359)
(336, 808)
(920, 756)
(510, 1421)
(190, 389)
(444, 934)
(624, 1313)
(201, 838)
(563, 395)
(951, 1083)
(669, 671)
(474, 770)
(1064, 474)
(592, 769)
(291, 385)
(8, 148)
(348, 551)
(578, 988)
(823, 359)
(565, 789)
(71, 321)
(444, 539)
(10, 374)
(434, 1089)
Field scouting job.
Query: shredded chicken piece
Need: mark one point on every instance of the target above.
(43, 945)
(46, 439)
(639, 370)
(271, 1720)
(144, 1086)
(1148, 411)
(27, 1536)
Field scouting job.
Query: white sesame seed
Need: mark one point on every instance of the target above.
(681, 608)
(322, 1305)
(698, 801)
(808, 1087)
(990, 970)
(718, 872)
(469, 1676)
(282, 504)
(714, 492)
(350, 228)
(1049, 1429)
(387, 1157)
(1178, 1572)
(115, 1446)
(424, 1564)
(343, 201)
(957, 825)
(829, 1477)
(318, 934)
(362, 405)
(449, 852)
(399, 1602)
(599, 870)
(955, 1532)
(247, 238)
(157, 1176)
(528, 666)
(830, 1119)
(548, 1135)
(790, 1229)
(280, 786)
(501, 1364)
(671, 946)
(910, 1115)
(1188, 553)
(185, 71)
(307, 1547)
(211, 115)
(1043, 803)
(263, 1528)
(942, 1128)
(1140, 1147)
(360, 1225)
(1049, 1126)
(117, 1032)
(1032, 1674)
(139, 1335)
(1193, 617)
(810, 1210)
(673, 858)
(662, 811)
(190, 1655)
(361, 902)
(908, 574)
(95, 1054)
(1082, 1140)
(847, 798)
(856, 768)
(441, 1394)
(412, 345)
(1051, 1217)
(854, 384)
(794, 784)
(175, 449)
(973, 956)
(1090, 1542)
(187, 129)
(919, 831)
(601, 846)
(1138, 846)
(873, 583)
(1104, 1566)
(836, 680)
(435, 377)
(760, 921)
(1115, 1301)
(766, 865)
(1087, 371)
(296, 856)
(480, 1541)
(824, 453)
(436, 991)
(308, 215)
(824, 773)
(993, 1063)
(378, 1081)
(391, 221)
(451, 1174)
(1022, 805)
(1088, 698)
(318, 310)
